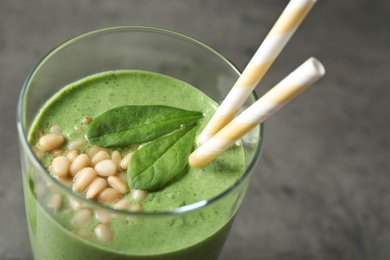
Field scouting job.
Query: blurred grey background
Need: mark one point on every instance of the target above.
(321, 189)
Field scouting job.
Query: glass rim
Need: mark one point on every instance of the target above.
(66, 190)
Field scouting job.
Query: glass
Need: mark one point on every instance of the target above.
(139, 48)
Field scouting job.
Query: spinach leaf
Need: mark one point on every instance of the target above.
(126, 125)
(159, 161)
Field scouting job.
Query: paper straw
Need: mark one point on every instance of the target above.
(277, 38)
(301, 78)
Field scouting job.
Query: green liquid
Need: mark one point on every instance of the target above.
(193, 235)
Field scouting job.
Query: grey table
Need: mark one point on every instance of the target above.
(321, 189)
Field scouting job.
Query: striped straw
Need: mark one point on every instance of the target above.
(277, 38)
(301, 78)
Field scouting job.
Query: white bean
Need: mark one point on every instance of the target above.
(94, 150)
(50, 141)
(40, 190)
(38, 153)
(79, 163)
(55, 129)
(138, 194)
(83, 233)
(55, 202)
(76, 204)
(125, 161)
(123, 176)
(96, 186)
(77, 144)
(123, 204)
(103, 216)
(104, 233)
(81, 217)
(116, 158)
(100, 156)
(60, 166)
(57, 152)
(136, 208)
(118, 184)
(105, 168)
(72, 155)
(109, 195)
(83, 178)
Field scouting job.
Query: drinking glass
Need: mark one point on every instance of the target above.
(196, 231)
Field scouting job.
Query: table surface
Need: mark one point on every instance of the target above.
(321, 188)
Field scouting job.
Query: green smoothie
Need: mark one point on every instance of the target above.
(190, 235)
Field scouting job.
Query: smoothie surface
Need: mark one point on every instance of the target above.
(98, 93)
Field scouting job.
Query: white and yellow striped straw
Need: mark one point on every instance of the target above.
(277, 38)
(301, 78)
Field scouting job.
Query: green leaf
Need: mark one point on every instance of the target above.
(158, 162)
(126, 125)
